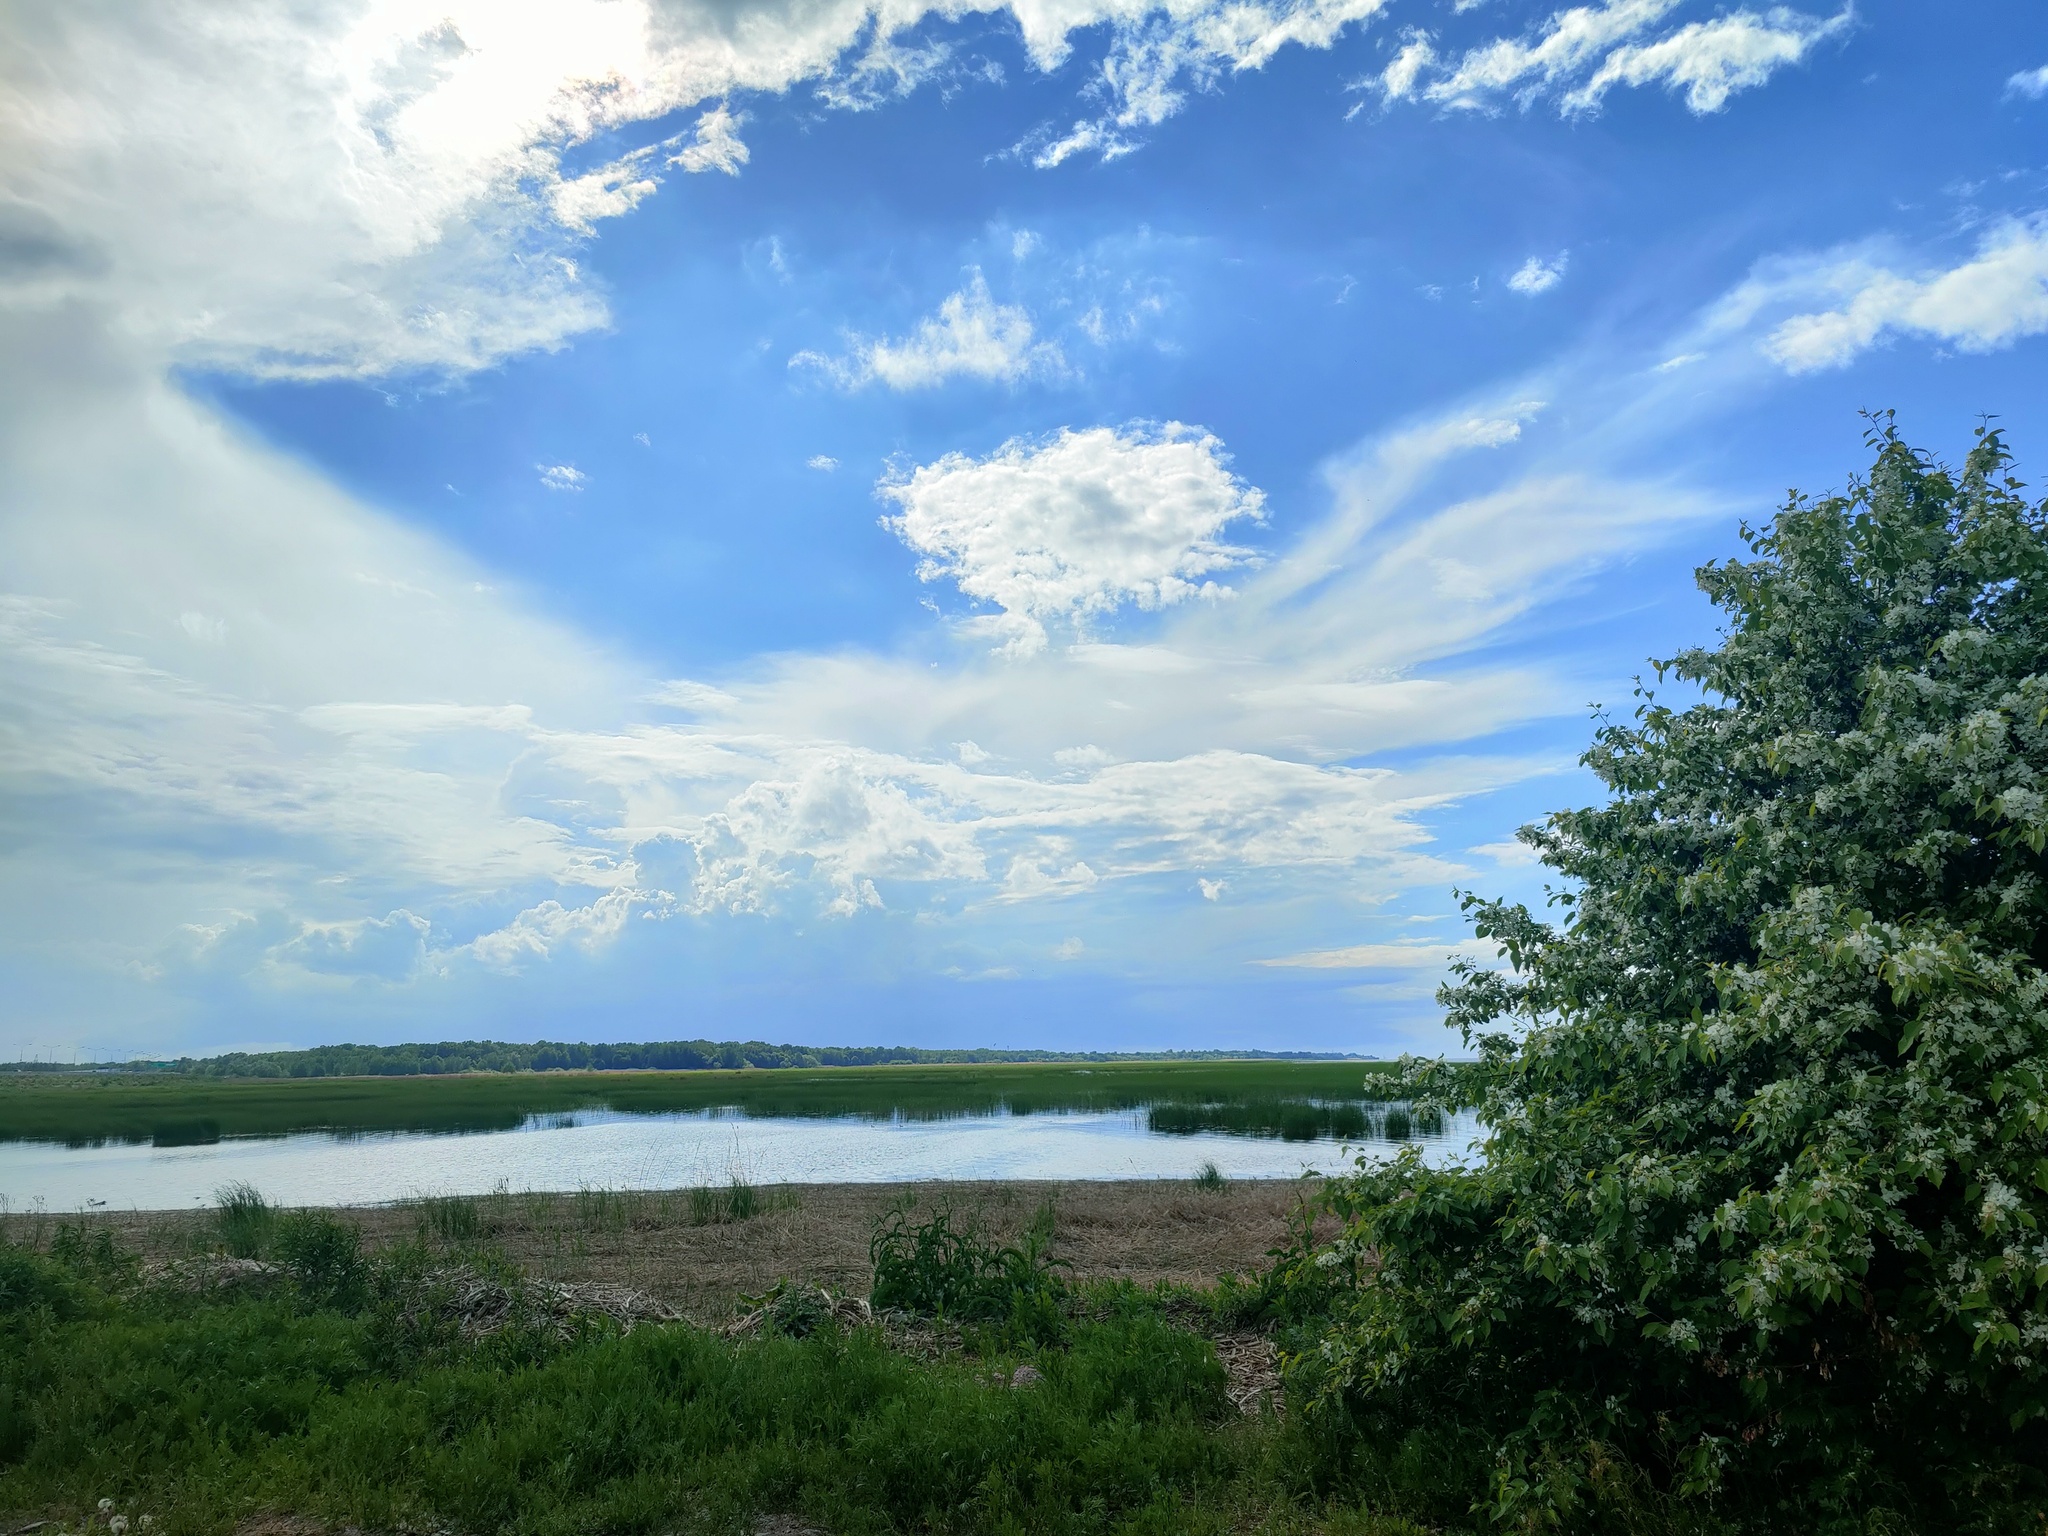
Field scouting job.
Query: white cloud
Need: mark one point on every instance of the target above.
(204, 627)
(717, 146)
(1987, 302)
(369, 189)
(1398, 80)
(1212, 890)
(972, 336)
(2030, 83)
(562, 477)
(392, 947)
(1512, 854)
(1069, 529)
(1711, 60)
(821, 461)
(1069, 949)
(1537, 275)
(1402, 955)
(1602, 46)
(538, 931)
(1157, 53)
(840, 820)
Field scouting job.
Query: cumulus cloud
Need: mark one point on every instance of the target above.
(971, 336)
(1987, 302)
(1581, 53)
(1071, 528)
(562, 477)
(1537, 275)
(823, 462)
(540, 930)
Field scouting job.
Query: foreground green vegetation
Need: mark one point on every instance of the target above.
(1002, 1397)
(178, 1111)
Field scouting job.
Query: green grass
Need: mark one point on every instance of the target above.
(336, 1401)
(243, 1219)
(337, 1394)
(177, 1111)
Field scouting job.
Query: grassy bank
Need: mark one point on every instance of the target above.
(182, 1111)
(1001, 1395)
(273, 1374)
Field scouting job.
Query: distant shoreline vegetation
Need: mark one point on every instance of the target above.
(1270, 1096)
(451, 1057)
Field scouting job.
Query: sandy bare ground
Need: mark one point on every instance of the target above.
(654, 1241)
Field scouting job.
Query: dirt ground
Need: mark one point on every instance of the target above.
(656, 1241)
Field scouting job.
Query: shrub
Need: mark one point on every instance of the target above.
(28, 1280)
(1767, 1162)
(324, 1255)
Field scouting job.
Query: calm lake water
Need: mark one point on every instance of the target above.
(607, 1149)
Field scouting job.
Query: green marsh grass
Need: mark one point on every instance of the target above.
(81, 1111)
(1209, 1179)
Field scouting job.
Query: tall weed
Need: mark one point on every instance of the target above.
(243, 1220)
(930, 1268)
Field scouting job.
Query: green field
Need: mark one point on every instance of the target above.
(1254, 1097)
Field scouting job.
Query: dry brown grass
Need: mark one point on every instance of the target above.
(1143, 1230)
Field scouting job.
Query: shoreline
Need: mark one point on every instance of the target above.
(1148, 1231)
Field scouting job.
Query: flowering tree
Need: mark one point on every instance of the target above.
(1767, 1109)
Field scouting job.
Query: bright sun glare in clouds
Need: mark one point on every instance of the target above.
(512, 516)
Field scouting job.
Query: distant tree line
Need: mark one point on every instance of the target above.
(450, 1056)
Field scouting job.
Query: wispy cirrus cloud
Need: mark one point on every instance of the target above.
(1808, 312)
(2030, 83)
(1580, 54)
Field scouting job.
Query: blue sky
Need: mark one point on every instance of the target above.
(1067, 526)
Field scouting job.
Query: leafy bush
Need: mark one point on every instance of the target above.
(1767, 1164)
(28, 1280)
